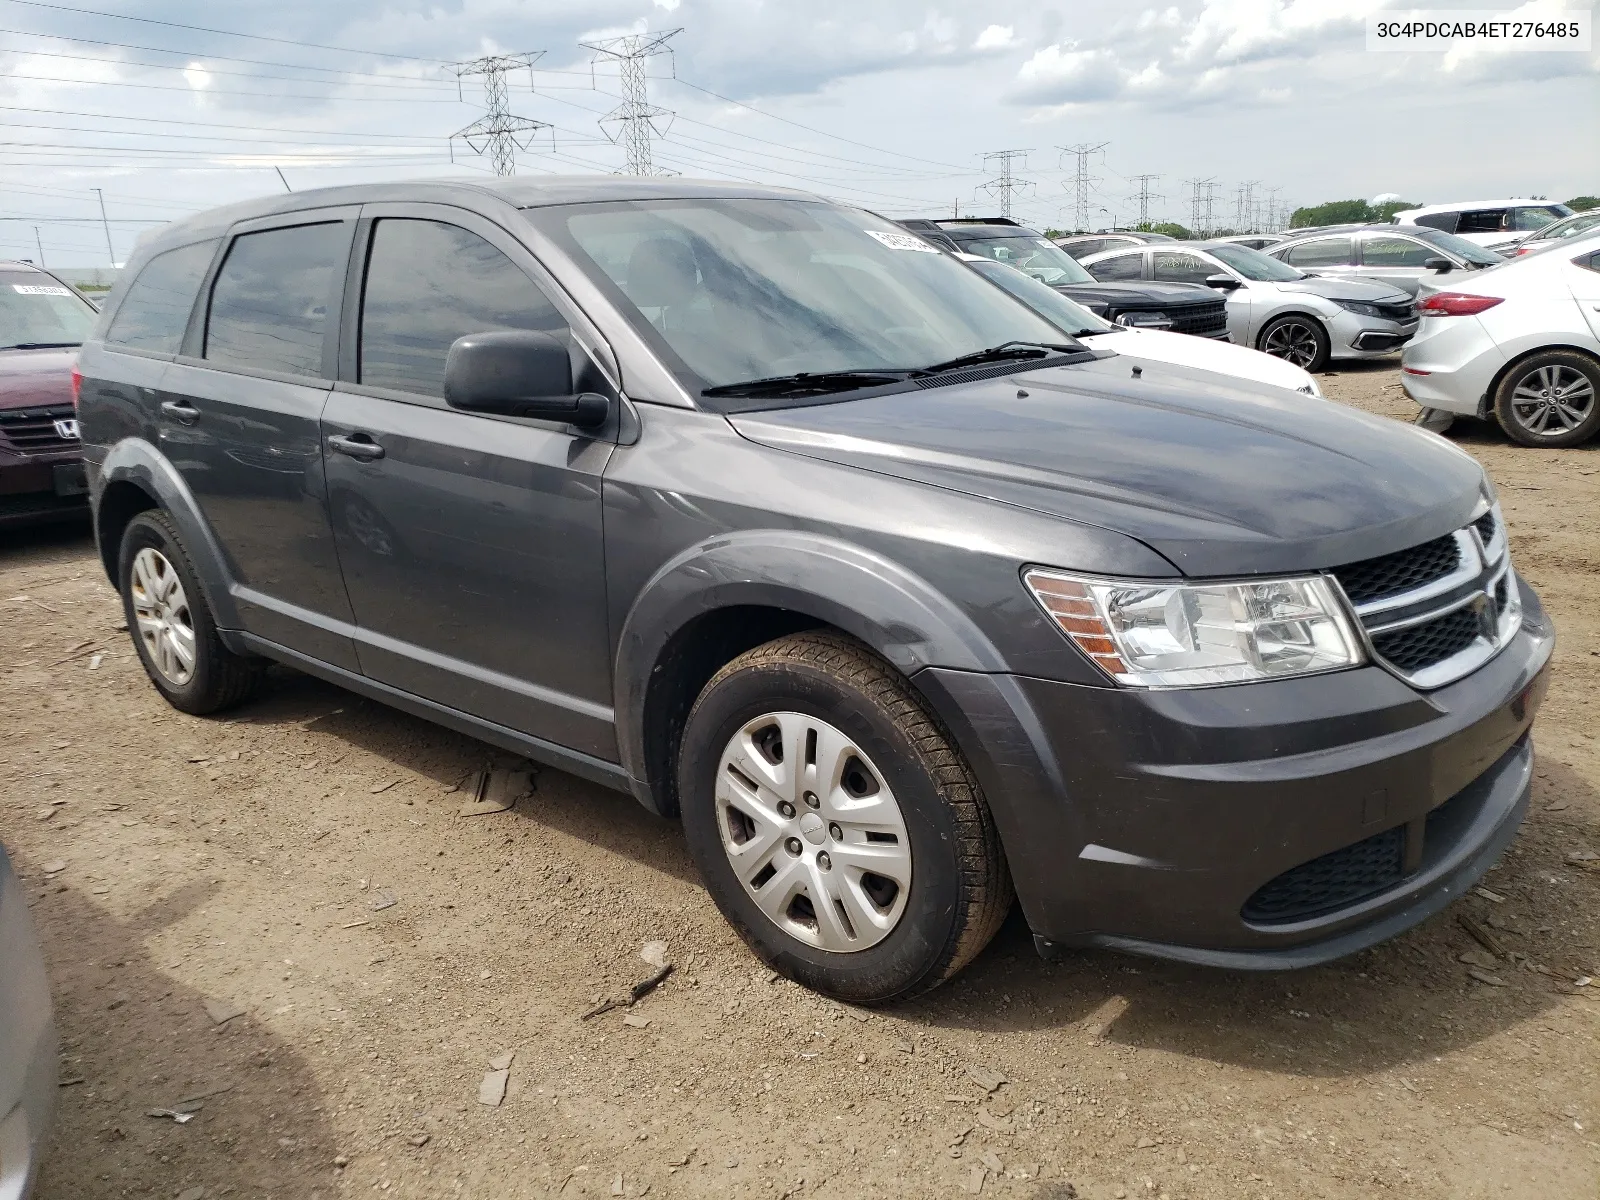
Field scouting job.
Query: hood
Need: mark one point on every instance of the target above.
(35, 378)
(1220, 476)
(1347, 289)
(1145, 346)
(1139, 293)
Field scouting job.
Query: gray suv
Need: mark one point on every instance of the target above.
(766, 511)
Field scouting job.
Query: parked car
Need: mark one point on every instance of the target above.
(42, 321)
(1408, 258)
(1081, 245)
(1275, 307)
(1576, 225)
(1485, 221)
(1254, 241)
(774, 515)
(27, 1042)
(1521, 345)
(1157, 345)
(1182, 308)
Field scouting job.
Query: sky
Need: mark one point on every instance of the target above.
(169, 107)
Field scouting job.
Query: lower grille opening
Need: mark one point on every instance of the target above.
(1331, 882)
(1420, 646)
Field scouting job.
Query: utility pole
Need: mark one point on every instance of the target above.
(1006, 184)
(1082, 182)
(636, 117)
(37, 242)
(499, 132)
(106, 224)
(1145, 196)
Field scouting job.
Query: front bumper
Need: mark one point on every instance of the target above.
(1154, 821)
(27, 1043)
(1352, 335)
(42, 488)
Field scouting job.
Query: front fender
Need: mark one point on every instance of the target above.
(896, 612)
(134, 460)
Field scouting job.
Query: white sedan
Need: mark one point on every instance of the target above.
(1523, 346)
(1181, 349)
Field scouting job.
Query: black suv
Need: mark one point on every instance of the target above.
(1180, 307)
(772, 514)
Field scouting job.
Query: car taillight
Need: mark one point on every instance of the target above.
(1520, 250)
(77, 386)
(1457, 304)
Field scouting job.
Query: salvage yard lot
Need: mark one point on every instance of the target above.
(183, 869)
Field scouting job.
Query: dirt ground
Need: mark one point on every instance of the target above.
(303, 863)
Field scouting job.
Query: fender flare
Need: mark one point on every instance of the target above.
(896, 612)
(134, 460)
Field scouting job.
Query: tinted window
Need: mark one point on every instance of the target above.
(1179, 266)
(428, 284)
(1395, 252)
(1084, 248)
(38, 310)
(1323, 252)
(1445, 221)
(155, 312)
(270, 305)
(1118, 266)
(1039, 257)
(1485, 220)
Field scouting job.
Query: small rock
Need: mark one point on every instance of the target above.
(1478, 958)
(94, 665)
(1491, 896)
(384, 787)
(992, 1160)
(194, 1193)
(617, 1188)
(419, 1139)
(55, 868)
(44, 814)
(492, 1090)
(502, 1062)
(1483, 976)
(341, 1160)
(223, 1011)
(903, 1046)
(635, 1021)
(862, 1059)
(1144, 1143)
(654, 953)
(383, 899)
(974, 1181)
(997, 1123)
(986, 1077)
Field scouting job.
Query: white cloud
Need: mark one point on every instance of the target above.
(669, 5)
(996, 37)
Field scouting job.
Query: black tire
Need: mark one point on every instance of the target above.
(1538, 377)
(218, 678)
(960, 889)
(1296, 338)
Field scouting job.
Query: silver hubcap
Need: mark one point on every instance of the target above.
(813, 832)
(1293, 340)
(161, 611)
(1552, 400)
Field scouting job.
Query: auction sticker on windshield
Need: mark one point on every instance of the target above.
(902, 241)
(39, 289)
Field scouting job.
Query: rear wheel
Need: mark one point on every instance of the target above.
(172, 629)
(1298, 339)
(836, 826)
(1550, 399)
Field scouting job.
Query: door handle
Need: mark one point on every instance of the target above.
(358, 446)
(180, 411)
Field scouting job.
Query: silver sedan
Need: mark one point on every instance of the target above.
(1409, 257)
(1275, 307)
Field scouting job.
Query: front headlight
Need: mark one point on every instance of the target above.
(1145, 320)
(1359, 306)
(1194, 635)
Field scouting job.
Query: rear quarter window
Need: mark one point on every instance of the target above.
(1118, 266)
(1323, 252)
(155, 312)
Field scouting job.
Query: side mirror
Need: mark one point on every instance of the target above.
(1224, 283)
(518, 373)
(1439, 264)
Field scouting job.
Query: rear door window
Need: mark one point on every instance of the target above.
(1179, 266)
(1119, 266)
(1395, 252)
(1483, 220)
(273, 296)
(1322, 252)
(429, 283)
(1445, 221)
(1527, 220)
(155, 312)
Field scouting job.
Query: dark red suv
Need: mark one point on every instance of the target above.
(42, 323)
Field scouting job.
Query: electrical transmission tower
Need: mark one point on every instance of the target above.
(1082, 182)
(1244, 214)
(1202, 202)
(635, 118)
(1006, 184)
(1274, 218)
(1146, 195)
(499, 132)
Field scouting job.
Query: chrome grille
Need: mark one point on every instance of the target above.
(38, 430)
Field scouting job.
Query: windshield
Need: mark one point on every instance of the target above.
(1570, 227)
(35, 310)
(1061, 311)
(1043, 259)
(737, 290)
(1459, 246)
(1253, 264)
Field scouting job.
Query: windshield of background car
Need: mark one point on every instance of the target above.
(1050, 304)
(1527, 220)
(36, 310)
(1570, 227)
(1253, 264)
(735, 290)
(1039, 257)
(1459, 246)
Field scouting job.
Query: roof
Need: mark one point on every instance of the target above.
(1464, 205)
(11, 264)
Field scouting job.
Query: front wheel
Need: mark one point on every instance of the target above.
(1549, 399)
(835, 825)
(1298, 339)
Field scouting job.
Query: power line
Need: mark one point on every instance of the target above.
(635, 117)
(1146, 195)
(1005, 185)
(1244, 206)
(1202, 197)
(500, 130)
(1082, 182)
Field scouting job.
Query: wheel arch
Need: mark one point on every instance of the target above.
(1309, 314)
(719, 598)
(1486, 401)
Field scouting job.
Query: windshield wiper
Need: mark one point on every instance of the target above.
(809, 383)
(41, 346)
(1000, 353)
